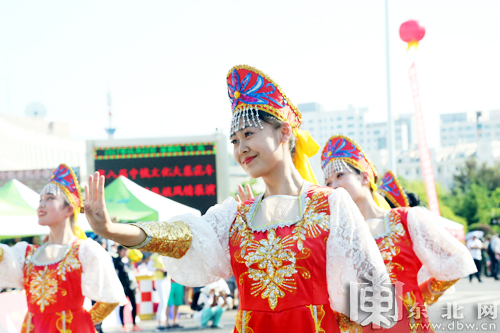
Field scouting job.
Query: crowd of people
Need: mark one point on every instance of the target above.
(486, 255)
(285, 257)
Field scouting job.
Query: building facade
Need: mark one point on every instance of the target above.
(466, 127)
(351, 122)
(33, 143)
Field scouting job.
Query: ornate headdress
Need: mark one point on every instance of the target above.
(393, 191)
(63, 180)
(251, 91)
(340, 152)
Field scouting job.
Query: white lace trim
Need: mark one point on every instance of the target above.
(351, 251)
(12, 265)
(442, 254)
(99, 280)
(208, 258)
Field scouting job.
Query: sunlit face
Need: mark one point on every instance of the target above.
(53, 209)
(257, 150)
(355, 184)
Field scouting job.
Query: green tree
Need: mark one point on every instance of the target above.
(477, 193)
(446, 201)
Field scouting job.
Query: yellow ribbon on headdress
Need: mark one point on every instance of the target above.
(305, 147)
(379, 200)
(77, 231)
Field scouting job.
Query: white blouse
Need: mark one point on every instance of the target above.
(443, 257)
(100, 282)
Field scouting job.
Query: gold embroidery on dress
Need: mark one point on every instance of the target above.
(318, 313)
(63, 323)
(241, 321)
(412, 310)
(43, 287)
(69, 263)
(346, 325)
(387, 246)
(435, 289)
(101, 310)
(267, 259)
(315, 219)
(29, 265)
(169, 239)
(27, 323)
(273, 276)
(240, 232)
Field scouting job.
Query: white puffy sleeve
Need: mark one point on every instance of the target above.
(195, 249)
(443, 255)
(99, 280)
(11, 265)
(351, 252)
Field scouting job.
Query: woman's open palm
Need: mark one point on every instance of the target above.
(95, 204)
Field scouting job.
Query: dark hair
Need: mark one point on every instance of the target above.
(413, 198)
(120, 247)
(99, 239)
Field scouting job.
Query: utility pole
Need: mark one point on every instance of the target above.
(110, 130)
(391, 144)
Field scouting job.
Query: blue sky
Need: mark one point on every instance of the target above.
(166, 61)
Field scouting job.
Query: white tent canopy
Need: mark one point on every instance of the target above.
(165, 207)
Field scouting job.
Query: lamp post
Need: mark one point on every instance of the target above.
(390, 120)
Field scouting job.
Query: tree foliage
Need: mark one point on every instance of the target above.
(418, 187)
(474, 199)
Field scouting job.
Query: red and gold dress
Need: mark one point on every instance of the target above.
(56, 291)
(414, 239)
(292, 256)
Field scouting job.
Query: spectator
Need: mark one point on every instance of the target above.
(493, 249)
(162, 284)
(175, 299)
(475, 245)
(212, 301)
(129, 284)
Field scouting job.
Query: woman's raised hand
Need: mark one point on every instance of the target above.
(95, 205)
(242, 196)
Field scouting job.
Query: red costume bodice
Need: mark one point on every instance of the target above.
(281, 270)
(403, 265)
(54, 294)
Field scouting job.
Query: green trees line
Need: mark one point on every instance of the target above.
(474, 199)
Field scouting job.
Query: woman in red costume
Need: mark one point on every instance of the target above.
(58, 275)
(408, 238)
(292, 249)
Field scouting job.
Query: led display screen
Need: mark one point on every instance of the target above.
(181, 172)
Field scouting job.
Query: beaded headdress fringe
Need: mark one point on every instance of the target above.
(336, 166)
(55, 190)
(246, 117)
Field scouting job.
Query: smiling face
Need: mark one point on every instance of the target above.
(259, 151)
(53, 209)
(356, 183)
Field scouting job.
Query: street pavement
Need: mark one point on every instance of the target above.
(466, 296)
(187, 323)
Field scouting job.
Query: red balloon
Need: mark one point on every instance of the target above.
(411, 32)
